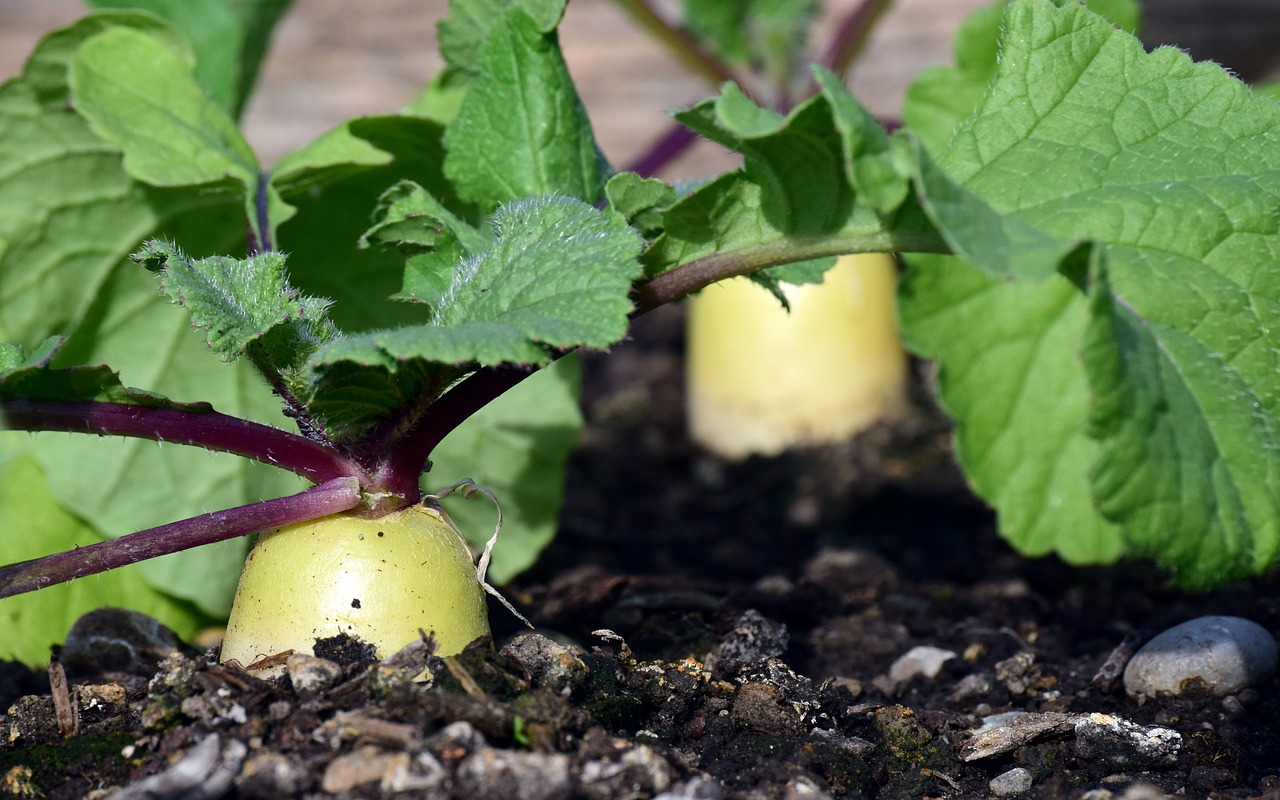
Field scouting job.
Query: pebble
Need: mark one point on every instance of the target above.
(118, 640)
(346, 772)
(638, 772)
(267, 776)
(924, 661)
(1123, 744)
(546, 662)
(507, 775)
(1227, 653)
(1015, 781)
(754, 638)
(1002, 733)
(205, 772)
(698, 788)
(309, 675)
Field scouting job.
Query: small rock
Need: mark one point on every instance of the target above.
(509, 775)
(205, 772)
(853, 745)
(803, 789)
(268, 776)
(846, 571)
(697, 788)
(764, 708)
(1226, 653)
(421, 773)
(975, 684)
(1016, 672)
(1002, 733)
(546, 662)
(1015, 781)
(1124, 744)
(118, 641)
(310, 675)
(753, 638)
(637, 772)
(346, 772)
(924, 661)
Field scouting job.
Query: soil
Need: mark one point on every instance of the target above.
(705, 630)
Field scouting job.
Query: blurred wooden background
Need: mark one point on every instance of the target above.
(334, 59)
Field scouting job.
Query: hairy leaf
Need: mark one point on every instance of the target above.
(1172, 168)
(245, 307)
(521, 130)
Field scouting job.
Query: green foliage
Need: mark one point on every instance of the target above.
(229, 38)
(1153, 346)
(1098, 225)
(35, 525)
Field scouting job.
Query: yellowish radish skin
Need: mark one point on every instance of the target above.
(761, 380)
(380, 580)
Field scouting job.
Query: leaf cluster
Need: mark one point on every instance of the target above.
(1095, 225)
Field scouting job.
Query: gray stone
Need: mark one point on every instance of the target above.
(310, 675)
(421, 773)
(1227, 654)
(366, 765)
(636, 773)
(205, 772)
(753, 638)
(118, 641)
(1120, 743)
(510, 775)
(546, 662)
(268, 776)
(1002, 733)
(1015, 781)
(699, 787)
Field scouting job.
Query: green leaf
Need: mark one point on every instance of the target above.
(245, 307)
(768, 35)
(1165, 398)
(1171, 167)
(822, 181)
(470, 22)
(214, 33)
(940, 98)
(556, 274)
(796, 160)
(640, 200)
(35, 525)
(30, 377)
(1010, 375)
(430, 237)
(517, 446)
(336, 183)
(69, 216)
(521, 130)
(141, 94)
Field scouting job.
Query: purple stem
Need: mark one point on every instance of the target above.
(260, 230)
(328, 498)
(663, 151)
(208, 429)
(399, 472)
(851, 36)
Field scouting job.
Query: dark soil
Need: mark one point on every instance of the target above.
(706, 630)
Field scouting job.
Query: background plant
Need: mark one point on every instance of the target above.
(1114, 214)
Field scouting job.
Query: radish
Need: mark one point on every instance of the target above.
(383, 580)
(835, 365)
